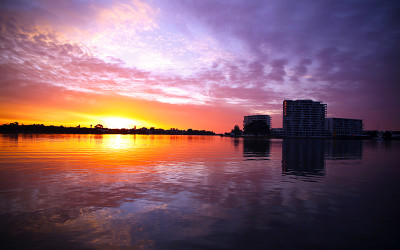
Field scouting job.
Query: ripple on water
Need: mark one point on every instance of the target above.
(196, 192)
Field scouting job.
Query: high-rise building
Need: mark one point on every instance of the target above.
(251, 118)
(343, 127)
(304, 118)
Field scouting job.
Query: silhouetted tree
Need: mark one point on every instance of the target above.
(236, 130)
(257, 128)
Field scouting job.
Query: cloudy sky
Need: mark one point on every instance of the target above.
(197, 64)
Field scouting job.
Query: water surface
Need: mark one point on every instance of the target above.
(197, 192)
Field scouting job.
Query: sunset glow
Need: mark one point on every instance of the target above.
(196, 64)
(117, 122)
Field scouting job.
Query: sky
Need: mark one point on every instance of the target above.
(197, 64)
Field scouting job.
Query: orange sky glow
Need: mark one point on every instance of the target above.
(189, 65)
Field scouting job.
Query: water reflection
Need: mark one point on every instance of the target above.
(303, 157)
(307, 157)
(197, 192)
(11, 137)
(344, 149)
(236, 143)
(256, 149)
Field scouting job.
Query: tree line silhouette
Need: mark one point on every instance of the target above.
(15, 127)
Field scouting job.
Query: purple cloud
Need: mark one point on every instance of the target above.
(246, 55)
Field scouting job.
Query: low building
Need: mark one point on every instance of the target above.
(251, 118)
(344, 127)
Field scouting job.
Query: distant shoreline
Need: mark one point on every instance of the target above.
(112, 132)
(15, 128)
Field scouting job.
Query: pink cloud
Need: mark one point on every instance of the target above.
(242, 56)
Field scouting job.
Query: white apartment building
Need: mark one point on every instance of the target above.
(344, 127)
(251, 118)
(304, 118)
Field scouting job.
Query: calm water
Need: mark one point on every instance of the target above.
(197, 192)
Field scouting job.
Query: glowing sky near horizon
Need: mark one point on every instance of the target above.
(197, 64)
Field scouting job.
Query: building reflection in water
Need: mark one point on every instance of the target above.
(303, 157)
(306, 157)
(343, 149)
(256, 149)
